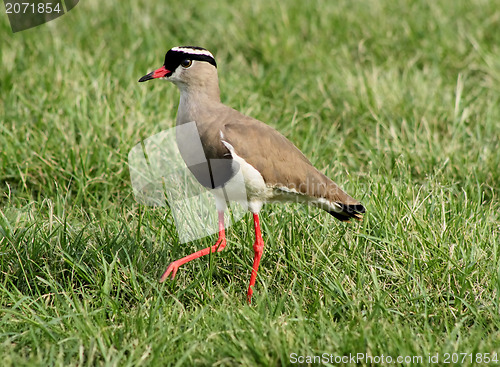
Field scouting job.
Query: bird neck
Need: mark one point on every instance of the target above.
(196, 102)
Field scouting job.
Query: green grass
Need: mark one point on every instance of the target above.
(399, 102)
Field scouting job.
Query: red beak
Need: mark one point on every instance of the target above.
(158, 73)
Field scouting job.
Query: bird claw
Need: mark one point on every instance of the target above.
(171, 271)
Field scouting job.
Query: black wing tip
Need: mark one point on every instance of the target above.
(348, 211)
(358, 208)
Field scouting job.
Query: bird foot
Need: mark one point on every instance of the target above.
(171, 271)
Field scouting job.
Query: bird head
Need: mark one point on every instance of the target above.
(187, 65)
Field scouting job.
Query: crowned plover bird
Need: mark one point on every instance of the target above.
(273, 168)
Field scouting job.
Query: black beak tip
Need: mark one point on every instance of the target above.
(146, 77)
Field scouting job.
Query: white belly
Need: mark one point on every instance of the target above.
(253, 189)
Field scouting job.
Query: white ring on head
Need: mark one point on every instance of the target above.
(193, 51)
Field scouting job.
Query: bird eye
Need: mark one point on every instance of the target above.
(186, 63)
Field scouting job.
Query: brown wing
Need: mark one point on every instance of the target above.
(282, 164)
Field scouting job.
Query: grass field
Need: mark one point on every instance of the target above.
(398, 101)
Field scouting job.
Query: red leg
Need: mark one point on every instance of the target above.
(219, 246)
(258, 248)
